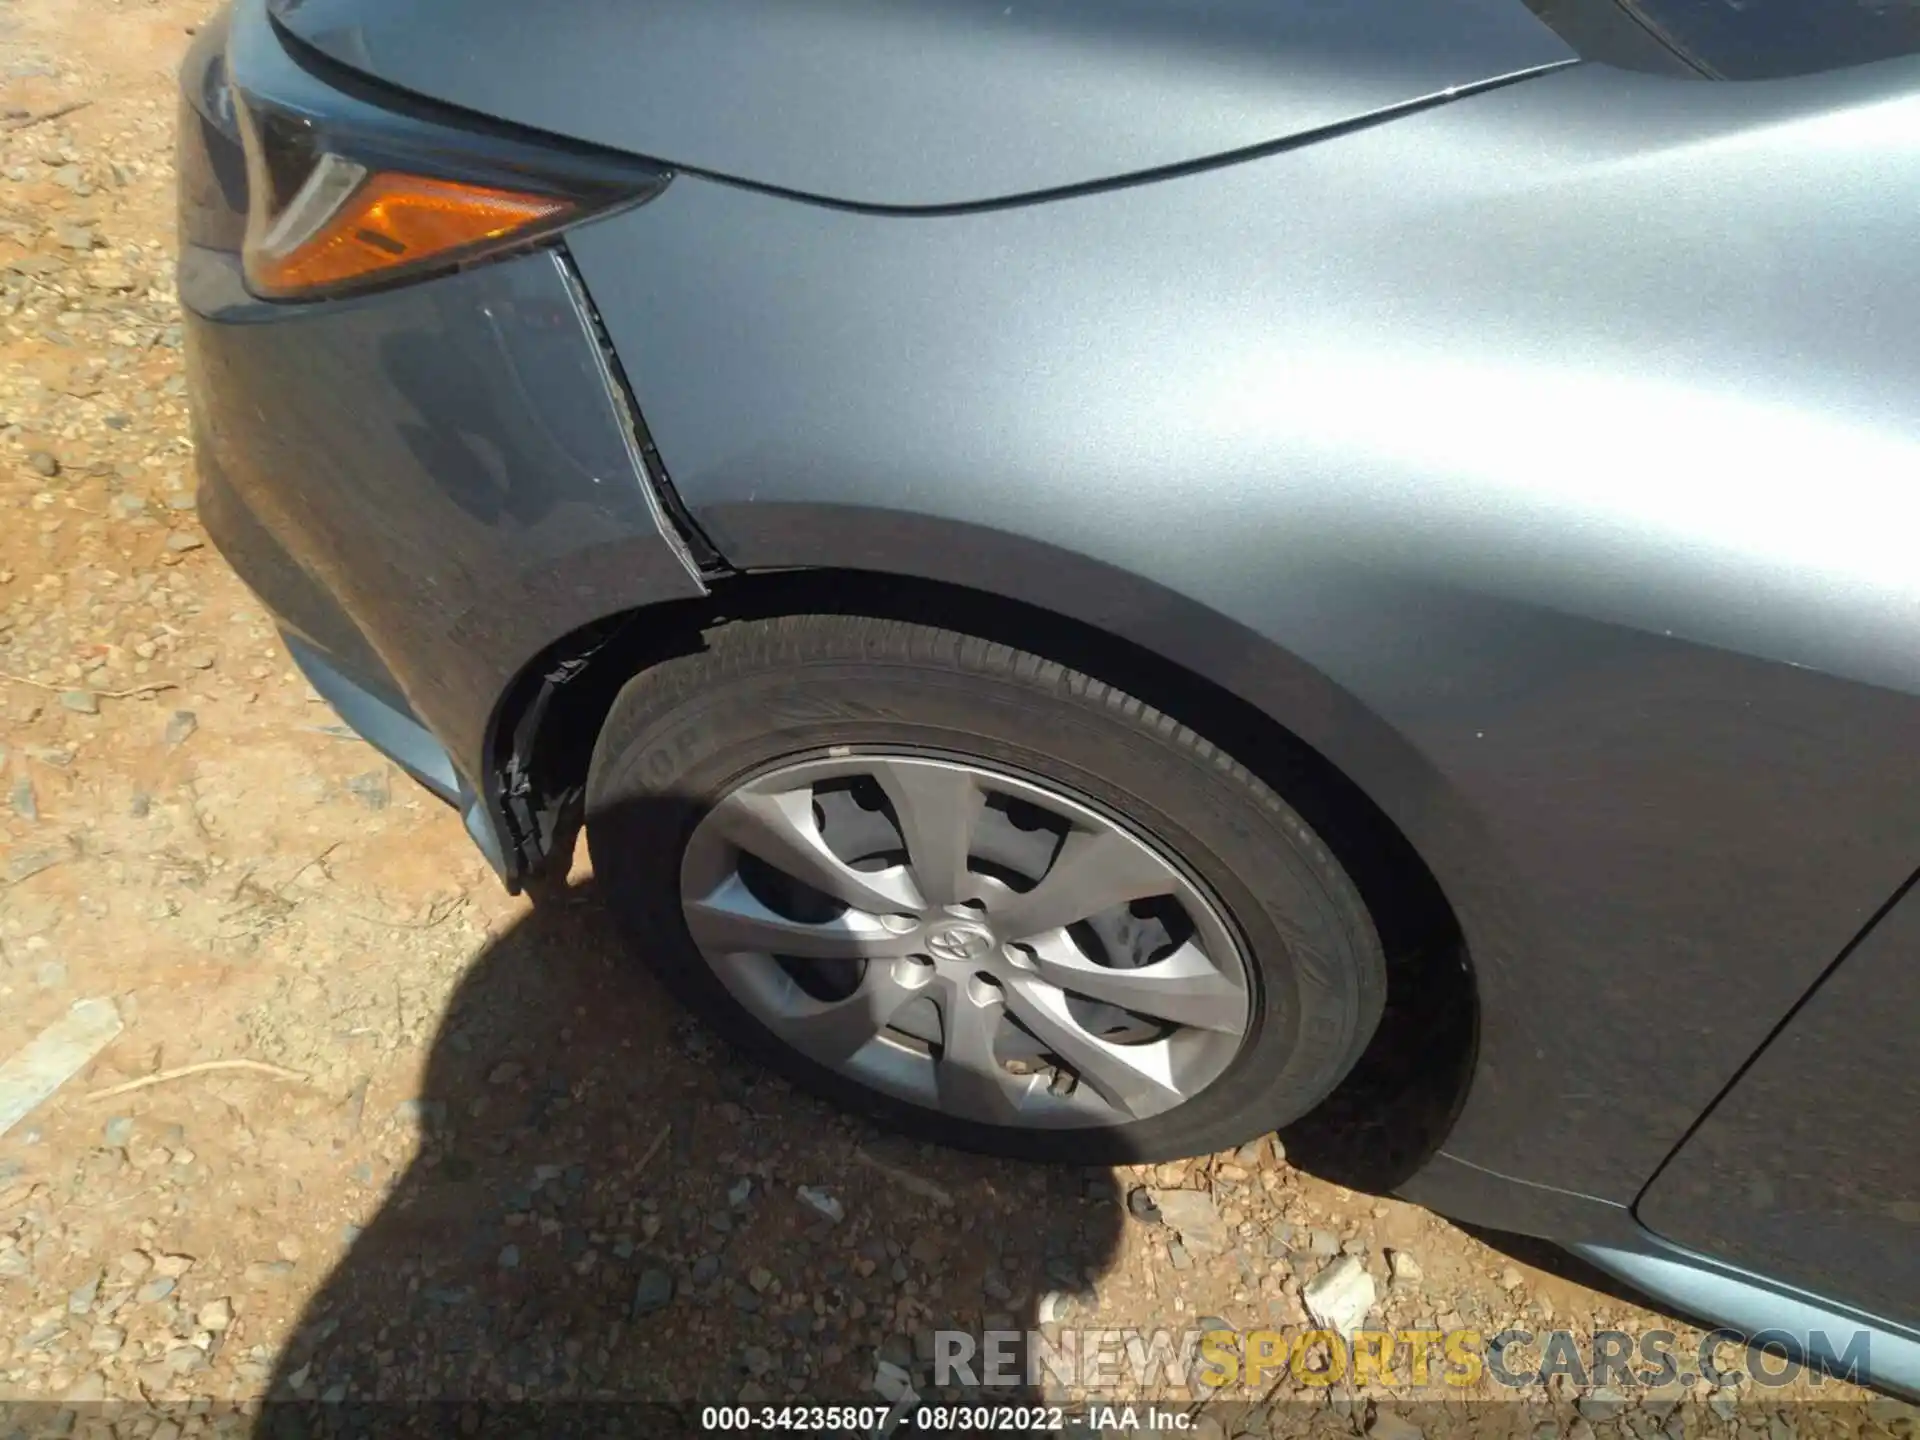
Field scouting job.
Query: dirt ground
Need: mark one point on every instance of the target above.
(484, 1159)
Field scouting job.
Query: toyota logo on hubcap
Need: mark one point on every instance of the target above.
(960, 941)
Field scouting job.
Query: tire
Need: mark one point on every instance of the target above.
(684, 734)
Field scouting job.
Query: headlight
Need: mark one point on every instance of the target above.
(349, 188)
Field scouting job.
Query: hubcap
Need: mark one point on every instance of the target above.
(966, 939)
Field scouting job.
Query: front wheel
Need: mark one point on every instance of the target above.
(977, 895)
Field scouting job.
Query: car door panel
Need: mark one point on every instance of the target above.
(1808, 1169)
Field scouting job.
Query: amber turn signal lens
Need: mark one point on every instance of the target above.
(387, 222)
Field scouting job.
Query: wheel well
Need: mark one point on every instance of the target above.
(544, 732)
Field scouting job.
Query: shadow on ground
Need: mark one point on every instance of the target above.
(605, 1207)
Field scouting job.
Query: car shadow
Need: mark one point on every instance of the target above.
(606, 1205)
(1391, 1112)
(609, 1204)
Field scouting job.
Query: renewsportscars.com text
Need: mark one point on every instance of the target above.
(1200, 1362)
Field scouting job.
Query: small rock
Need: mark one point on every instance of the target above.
(1194, 1215)
(820, 1201)
(510, 1257)
(201, 657)
(87, 1390)
(81, 702)
(40, 1337)
(215, 1315)
(1323, 1243)
(265, 1272)
(43, 463)
(1406, 1269)
(1511, 1279)
(1140, 1205)
(1254, 1153)
(1178, 1257)
(424, 1113)
(506, 1072)
(1341, 1295)
(185, 1359)
(371, 789)
(24, 804)
(1389, 1426)
(891, 1382)
(654, 1292)
(180, 725)
(760, 1278)
(154, 1290)
(1600, 1404)
(757, 1359)
(117, 1131)
(179, 542)
(134, 1263)
(81, 1300)
(106, 1339)
(174, 1264)
(739, 1192)
(110, 275)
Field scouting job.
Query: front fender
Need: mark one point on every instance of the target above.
(1413, 440)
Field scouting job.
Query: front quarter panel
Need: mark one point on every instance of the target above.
(1544, 459)
(445, 463)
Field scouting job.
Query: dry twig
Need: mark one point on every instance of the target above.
(126, 694)
(56, 113)
(654, 1148)
(161, 1077)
